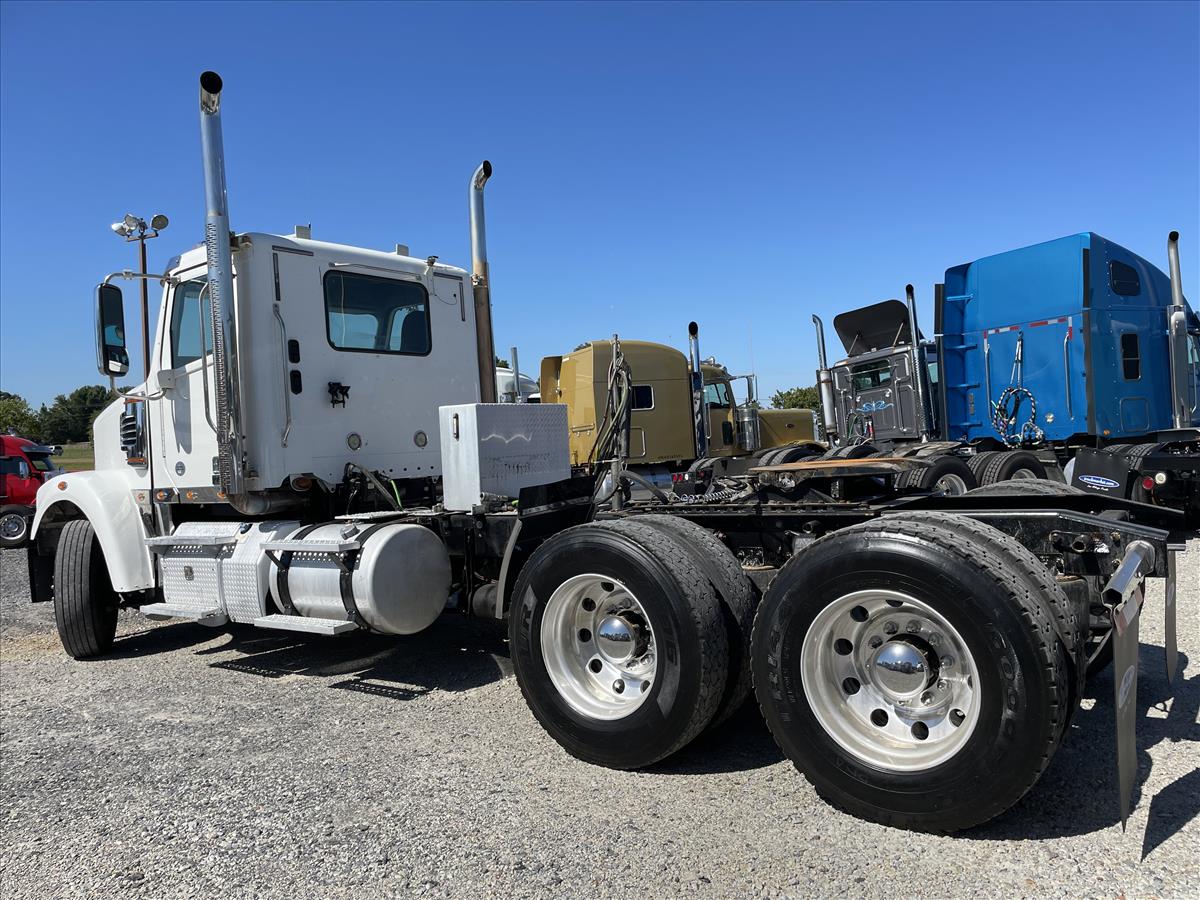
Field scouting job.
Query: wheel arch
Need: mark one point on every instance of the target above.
(114, 516)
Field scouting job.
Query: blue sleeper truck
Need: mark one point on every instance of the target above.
(1074, 360)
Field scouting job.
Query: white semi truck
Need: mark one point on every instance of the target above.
(317, 448)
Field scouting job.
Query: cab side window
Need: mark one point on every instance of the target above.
(376, 315)
(643, 396)
(191, 323)
(1124, 279)
(716, 395)
(1131, 357)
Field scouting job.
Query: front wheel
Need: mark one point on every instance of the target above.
(910, 675)
(619, 643)
(14, 527)
(85, 604)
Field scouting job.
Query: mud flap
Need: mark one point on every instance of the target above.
(1125, 661)
(1124, 594)
(1170, 641)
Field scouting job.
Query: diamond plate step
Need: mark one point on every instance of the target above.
(160, 544)
(169, 611)
(306, 624)
(303, 546)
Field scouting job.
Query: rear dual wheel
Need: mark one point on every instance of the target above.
(993, 466)
(948, 475)
(911, 672)
(619, 643)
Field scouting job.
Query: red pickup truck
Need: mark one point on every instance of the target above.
(24, 466)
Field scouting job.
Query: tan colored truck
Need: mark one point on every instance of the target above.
(665, 408)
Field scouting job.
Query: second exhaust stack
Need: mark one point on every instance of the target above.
(485, 349)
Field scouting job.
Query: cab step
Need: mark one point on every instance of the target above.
(306, 624)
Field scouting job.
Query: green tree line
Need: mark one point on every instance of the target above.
(68, 420)
(797, 398)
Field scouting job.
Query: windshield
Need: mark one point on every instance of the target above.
(869, 375)
(40, 462)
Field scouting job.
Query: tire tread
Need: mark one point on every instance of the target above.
(968, 546)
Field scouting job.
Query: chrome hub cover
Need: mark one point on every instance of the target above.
(617, 638)
(901, 669)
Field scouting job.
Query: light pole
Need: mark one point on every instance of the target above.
(133, 228)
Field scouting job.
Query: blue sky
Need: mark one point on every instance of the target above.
(741, 165)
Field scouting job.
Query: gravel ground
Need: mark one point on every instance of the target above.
(193, 762)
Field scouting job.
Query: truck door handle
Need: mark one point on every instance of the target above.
(987, 373)
(204, 357)
(287, 397)
(1067, 369)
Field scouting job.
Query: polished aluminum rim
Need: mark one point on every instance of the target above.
(1022, 474)
(598, 646)
(951, 485)
(12, 526)
(891, 680)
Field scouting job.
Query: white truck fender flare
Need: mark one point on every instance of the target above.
(109, 505)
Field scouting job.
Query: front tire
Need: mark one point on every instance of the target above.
(618, 644)
(841, 641)
(85, 604)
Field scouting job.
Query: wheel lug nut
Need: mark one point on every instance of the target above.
(875, 641)
(942, 683)
(891, 628)
(913, 626)
(927, 698)
(619, 686)
(935, 639)
(947, 661)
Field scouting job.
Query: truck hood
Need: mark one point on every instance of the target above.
(874, 327)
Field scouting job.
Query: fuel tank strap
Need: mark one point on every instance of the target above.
(346, 582)
(281, 574)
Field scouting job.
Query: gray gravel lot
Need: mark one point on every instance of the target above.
(194, 762)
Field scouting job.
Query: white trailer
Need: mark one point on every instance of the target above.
(317, 448)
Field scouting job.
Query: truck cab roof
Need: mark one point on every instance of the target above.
(343, 253)
(1054, 278)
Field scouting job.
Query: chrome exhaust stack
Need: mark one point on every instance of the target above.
(918, 364)
(699, 404)
(1177, 339)
(485, 350)
(220, 291)
(825, 385)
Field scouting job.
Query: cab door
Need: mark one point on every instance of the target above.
(722, 435)
(185, 445)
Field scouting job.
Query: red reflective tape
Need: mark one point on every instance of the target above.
(1059, 321)
(1002, 329)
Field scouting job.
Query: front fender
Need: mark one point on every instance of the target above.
(108, 504)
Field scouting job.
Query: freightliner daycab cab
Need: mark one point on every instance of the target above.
(335, 350)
